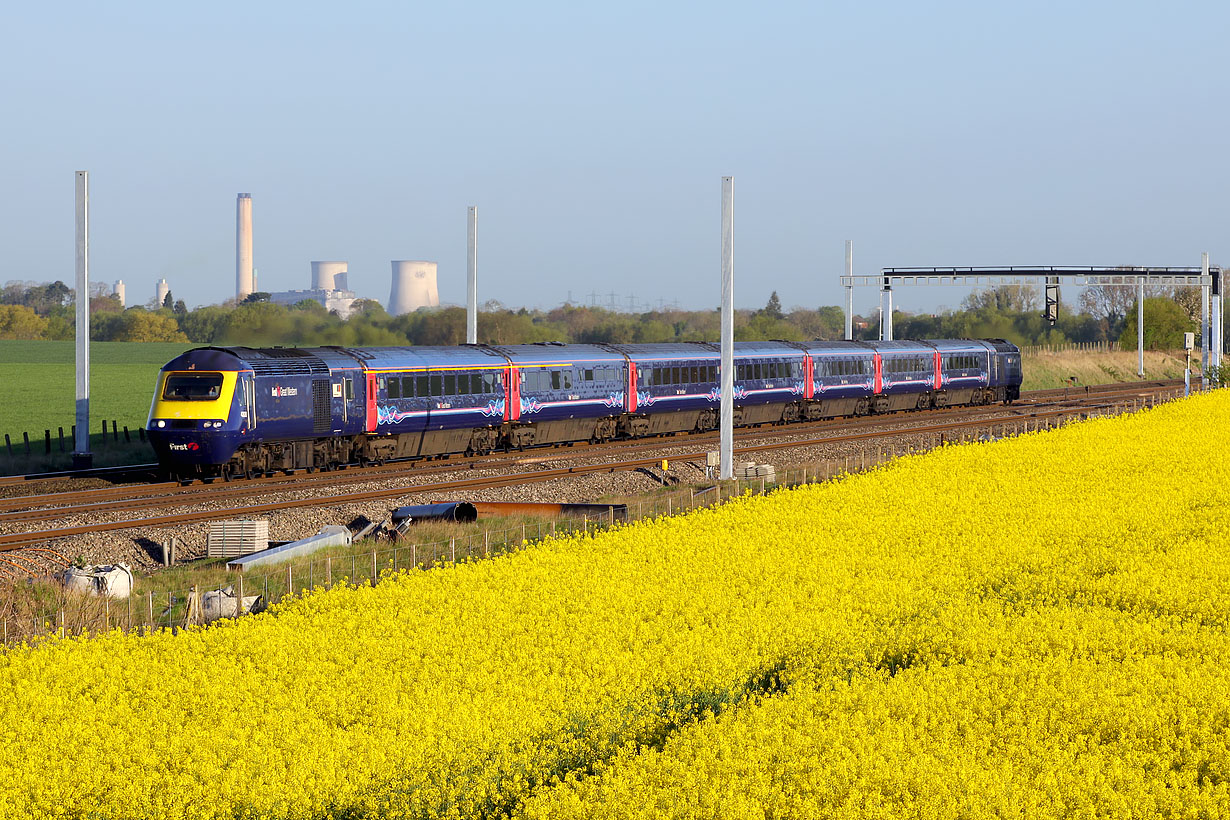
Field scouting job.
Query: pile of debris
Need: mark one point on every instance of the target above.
(110, 580)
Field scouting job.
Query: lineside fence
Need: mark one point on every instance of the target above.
(53, 448)
(1100, 347)
(368, 562)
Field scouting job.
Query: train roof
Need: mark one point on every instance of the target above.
(413, 357)
(558, 353)
(668, 350)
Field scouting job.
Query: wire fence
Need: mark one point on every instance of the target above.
(55, 611)
(1088, 347)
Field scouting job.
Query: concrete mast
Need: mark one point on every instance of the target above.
(849, 290)
(472, 276)
(727, 426)
(1204, 319)
(1140, 326)
(82, 458)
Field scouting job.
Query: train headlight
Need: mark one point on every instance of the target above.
(161, 423)
(217, 424)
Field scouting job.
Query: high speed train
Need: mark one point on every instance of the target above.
(240, 411)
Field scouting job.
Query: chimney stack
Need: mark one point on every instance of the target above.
(244, 282)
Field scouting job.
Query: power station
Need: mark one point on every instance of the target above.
(414, 282)
(414, 286)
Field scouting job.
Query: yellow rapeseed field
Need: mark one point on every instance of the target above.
(1029, 628)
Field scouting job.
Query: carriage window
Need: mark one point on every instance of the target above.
(555, 380)
(588, 375)
(436, 389)
(488, 382)
(394, 387)
(450, 384)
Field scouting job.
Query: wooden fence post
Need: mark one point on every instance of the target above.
(239, 597)
(375, 574)
(328, 572)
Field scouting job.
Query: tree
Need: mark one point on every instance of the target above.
(257, 296)
(138, 325)
(206, 324)
(1165, 324)
(180, 308)
(1004, 298)
(21, 322)
(168, 301)
(774, 307)
(1109, 302)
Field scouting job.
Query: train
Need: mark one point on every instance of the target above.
(242, 411)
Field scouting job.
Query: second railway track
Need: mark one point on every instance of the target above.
(170, 496)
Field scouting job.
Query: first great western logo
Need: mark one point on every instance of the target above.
(278, 391)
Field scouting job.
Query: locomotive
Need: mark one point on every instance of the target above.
(240, 411)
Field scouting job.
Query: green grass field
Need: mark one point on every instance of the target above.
(38, 384)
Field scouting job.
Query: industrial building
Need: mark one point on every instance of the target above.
(328, 288)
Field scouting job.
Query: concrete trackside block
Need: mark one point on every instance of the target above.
(332, 536)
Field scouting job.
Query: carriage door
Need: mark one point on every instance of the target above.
(371, 402)
(347, 398)
(247, 392)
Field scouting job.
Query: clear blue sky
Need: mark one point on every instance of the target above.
(593, 137)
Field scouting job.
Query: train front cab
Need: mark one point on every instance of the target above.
(196, 417)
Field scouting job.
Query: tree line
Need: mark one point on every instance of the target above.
(1103, 313)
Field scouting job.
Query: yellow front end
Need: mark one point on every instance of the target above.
(193, 395)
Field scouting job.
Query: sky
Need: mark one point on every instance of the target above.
(593, 139)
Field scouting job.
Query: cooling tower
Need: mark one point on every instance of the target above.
(243, 247)
(162, 291)
(329, 276)
(414, 286)
(119, 294)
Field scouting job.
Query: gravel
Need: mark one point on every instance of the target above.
(141, 548)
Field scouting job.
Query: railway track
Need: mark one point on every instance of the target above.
(49, 506)
(146, 473)
(821, 433)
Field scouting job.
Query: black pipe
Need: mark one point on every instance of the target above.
(462, 511)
